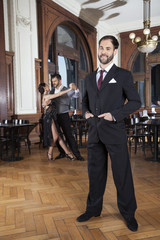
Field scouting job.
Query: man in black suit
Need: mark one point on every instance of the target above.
(63, 119)
(105, 108)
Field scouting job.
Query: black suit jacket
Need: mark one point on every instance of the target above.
(116, 88)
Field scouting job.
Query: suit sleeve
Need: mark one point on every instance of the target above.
(74, 93)
(133, 102)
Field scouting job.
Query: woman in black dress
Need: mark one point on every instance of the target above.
(50, 124)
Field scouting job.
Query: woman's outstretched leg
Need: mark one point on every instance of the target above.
(61, 142)
(67, 152)
(54, 139)
(50, 153)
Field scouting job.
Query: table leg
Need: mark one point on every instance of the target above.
(155, 158)
(13, 147)
(80, 134)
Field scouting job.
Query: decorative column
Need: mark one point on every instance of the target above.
(22, 32)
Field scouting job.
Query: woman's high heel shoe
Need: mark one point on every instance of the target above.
(50, 158)
(69, 155)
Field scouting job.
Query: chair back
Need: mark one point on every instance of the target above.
(77, 116)
(6, 121)
(145, 113)
(20, 121)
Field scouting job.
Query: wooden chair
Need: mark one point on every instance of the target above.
(74, 126)
(41, 131)
(138, 134)
(85, 130)
(3, 146)
(5, 139)
(79, 128)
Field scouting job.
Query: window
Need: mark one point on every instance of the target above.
(66, 36)
(148, 82)
(139, 63)
(155, 84)
(157, 50)
(50, 53)
(70, 57)
(155, 78)
(67, 70)
(141, 90)
(139, 76)
(83, 63)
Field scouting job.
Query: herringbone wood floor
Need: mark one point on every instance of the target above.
(40, 200)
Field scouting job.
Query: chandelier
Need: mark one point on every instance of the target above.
(148, 43)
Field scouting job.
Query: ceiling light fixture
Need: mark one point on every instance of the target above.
(148, 44)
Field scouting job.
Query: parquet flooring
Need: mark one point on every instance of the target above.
(40, 200)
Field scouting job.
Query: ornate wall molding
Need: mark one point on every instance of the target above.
(23, 21)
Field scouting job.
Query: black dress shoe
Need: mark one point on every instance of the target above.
(80, 158)
(86, 216)
(132, 224)
(61, 155)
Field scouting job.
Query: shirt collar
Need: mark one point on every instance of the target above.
(58, 89)
(107, 68)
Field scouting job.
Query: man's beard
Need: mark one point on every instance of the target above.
(55, 86)
(108, 60)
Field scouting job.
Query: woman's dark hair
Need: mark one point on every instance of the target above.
(41, 87)
(113, 40)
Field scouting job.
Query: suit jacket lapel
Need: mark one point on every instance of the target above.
(109, 76)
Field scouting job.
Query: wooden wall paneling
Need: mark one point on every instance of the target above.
(38, 77)
(128, 51)
(31, 117)
(3, 82)
(10, 83)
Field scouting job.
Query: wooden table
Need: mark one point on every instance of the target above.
(79, 123)
(12, 128)
(154, 123)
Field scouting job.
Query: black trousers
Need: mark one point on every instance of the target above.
(65, 123)
(121, 169)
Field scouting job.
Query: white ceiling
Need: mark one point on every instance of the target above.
(116, 15)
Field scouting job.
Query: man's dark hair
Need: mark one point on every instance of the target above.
(113, 40)
(41, 87)
(57, 75)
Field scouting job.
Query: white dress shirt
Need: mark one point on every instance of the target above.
(106, 70)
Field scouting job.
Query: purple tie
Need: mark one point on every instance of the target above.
(100, 79)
